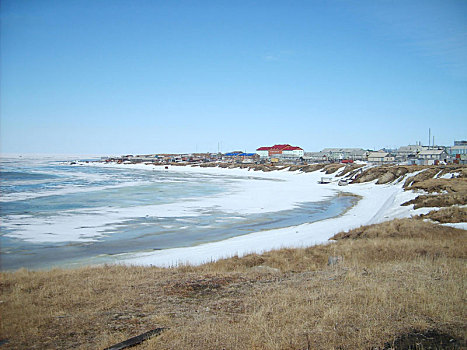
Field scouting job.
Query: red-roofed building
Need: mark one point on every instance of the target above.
(277, 149)
(263, 152)
(292, 151)
(286, 150)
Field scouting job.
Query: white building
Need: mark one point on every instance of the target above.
(460, 149)
(410, 150)
(344, 153)
(286, 150)
(380, 157)
(433, 154)
(293, 152)
(315, 156)
(263, 152)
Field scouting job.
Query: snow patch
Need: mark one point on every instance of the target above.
(461, 225)
(378, 203)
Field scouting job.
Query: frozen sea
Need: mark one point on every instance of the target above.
(55, 213)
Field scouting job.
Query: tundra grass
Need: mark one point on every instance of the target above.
(389, 279)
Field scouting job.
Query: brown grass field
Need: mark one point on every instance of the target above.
(393, 285)
(390, 279)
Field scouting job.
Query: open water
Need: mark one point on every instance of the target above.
(54, 213)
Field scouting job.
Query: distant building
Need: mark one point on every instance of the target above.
(344, 153)
(277, 149)
(140, 158)
(240, 157)
(380, 157)
(240, 154)
(286, 150)
(233, 154)
(409, 151)
(433, 154)
(459, 149)
(293, 152)
(315, 157)
(263, 152)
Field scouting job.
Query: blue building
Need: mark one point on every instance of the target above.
(459, 148)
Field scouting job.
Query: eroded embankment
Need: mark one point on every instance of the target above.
(436, 186)
(326, 168)
(439, 187)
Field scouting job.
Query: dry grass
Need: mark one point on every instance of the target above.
(270, 167)
(447, 215)
(312, 167)
(441, 185)
(398, 228)
(307, 168)
(426, 179)
(332, 168)
(391, 278)
(350, 169)
(427, 174)
(438, 200)
(443, 192)
(384, 174)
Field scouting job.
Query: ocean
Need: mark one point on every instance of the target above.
(59, 213)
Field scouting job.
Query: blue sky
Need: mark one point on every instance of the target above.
(114, 77)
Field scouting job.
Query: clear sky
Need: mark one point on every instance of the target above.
(115, 77)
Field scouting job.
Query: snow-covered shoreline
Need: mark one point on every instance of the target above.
(378, 203)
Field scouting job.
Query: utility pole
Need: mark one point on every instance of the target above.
(429, 137)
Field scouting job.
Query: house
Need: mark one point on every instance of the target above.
(140, 158)
(459, 152)
(315, 157)
(286, 150)
(240, 157)
(409, 152)
(432, 156)
(438, 154)
(292, 152)
(233, 154)
(344, 153)
(380, 157)
(263, 152)
(459, 148)
(455, 150)
(277, 149)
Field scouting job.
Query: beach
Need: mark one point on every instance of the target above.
(92, 213)
(70, 214)
(377, 203)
